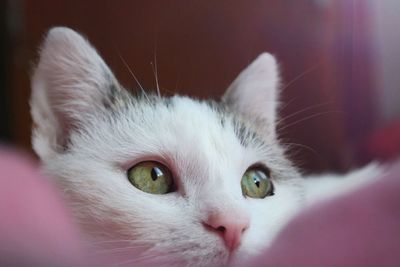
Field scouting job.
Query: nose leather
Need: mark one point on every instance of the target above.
(229, 226)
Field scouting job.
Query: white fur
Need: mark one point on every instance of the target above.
(320, 187)
(67, 85)
(88, 149)
(254, 92)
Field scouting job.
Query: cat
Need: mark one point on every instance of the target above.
(170, 181)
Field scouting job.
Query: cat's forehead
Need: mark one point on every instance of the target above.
(206, 123)
(194, 135)
(182, 122)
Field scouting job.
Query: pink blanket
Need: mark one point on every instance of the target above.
(361, 229)
(35, 229)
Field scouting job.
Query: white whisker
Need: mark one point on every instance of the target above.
(301, 111)
(287, 104)
(301, 75)
(307, 118)
(120, 249)
(133, 75)
(155, 72)
(303, 146)
(135, 260)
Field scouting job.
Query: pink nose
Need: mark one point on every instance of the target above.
(230, 227)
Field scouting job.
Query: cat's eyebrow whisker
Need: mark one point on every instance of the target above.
(133, 75)
(154, 68)
(287, 103)
(155, 72)
(303, 146)
(178, 80)
(301, 75)
(302, 110)
(307, 118)
(167, 90)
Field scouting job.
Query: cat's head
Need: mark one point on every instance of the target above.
(166, 180)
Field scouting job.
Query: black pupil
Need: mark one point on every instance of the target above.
(256, 181)
(155, 173)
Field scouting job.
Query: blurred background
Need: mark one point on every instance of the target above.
(339, 63)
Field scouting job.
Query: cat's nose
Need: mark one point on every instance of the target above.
(229, 226)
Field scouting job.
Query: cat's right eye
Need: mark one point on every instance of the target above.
(151, 177)
(256, 183)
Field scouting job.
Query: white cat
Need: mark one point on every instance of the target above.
(169, 181)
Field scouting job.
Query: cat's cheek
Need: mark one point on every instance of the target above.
(268, 217)
(117, 255)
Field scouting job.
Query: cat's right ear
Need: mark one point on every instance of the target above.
(254, 93)
(70, 84)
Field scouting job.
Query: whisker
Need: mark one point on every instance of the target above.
(155, 71)
(133, 75)
(302, 110)
(107, 242)
(167, 90)
(309, 117)
(120, 249)
(303, 146)
(135, 260)
(156, 78)
(178, 80)
(287, 104)
(301, 75)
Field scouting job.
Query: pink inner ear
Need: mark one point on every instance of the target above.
(33, 222)
(65, 122)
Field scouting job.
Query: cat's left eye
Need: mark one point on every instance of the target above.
(151, 177)
(256, 183)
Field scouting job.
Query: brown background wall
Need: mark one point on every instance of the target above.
(202, 45)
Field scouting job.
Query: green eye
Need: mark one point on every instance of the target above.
(256, 183)
(151, 177)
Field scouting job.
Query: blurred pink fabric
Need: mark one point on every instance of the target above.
(359, 229)
(35, 229)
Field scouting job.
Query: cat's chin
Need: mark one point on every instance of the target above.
(154, 259)
(239, 258)
(124, 254)
(137, 258)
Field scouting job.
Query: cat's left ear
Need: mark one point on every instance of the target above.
(71, 85)
(254, 93)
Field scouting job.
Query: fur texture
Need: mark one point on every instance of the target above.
(89, 131)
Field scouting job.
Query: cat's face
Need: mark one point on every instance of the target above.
(90, 134)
